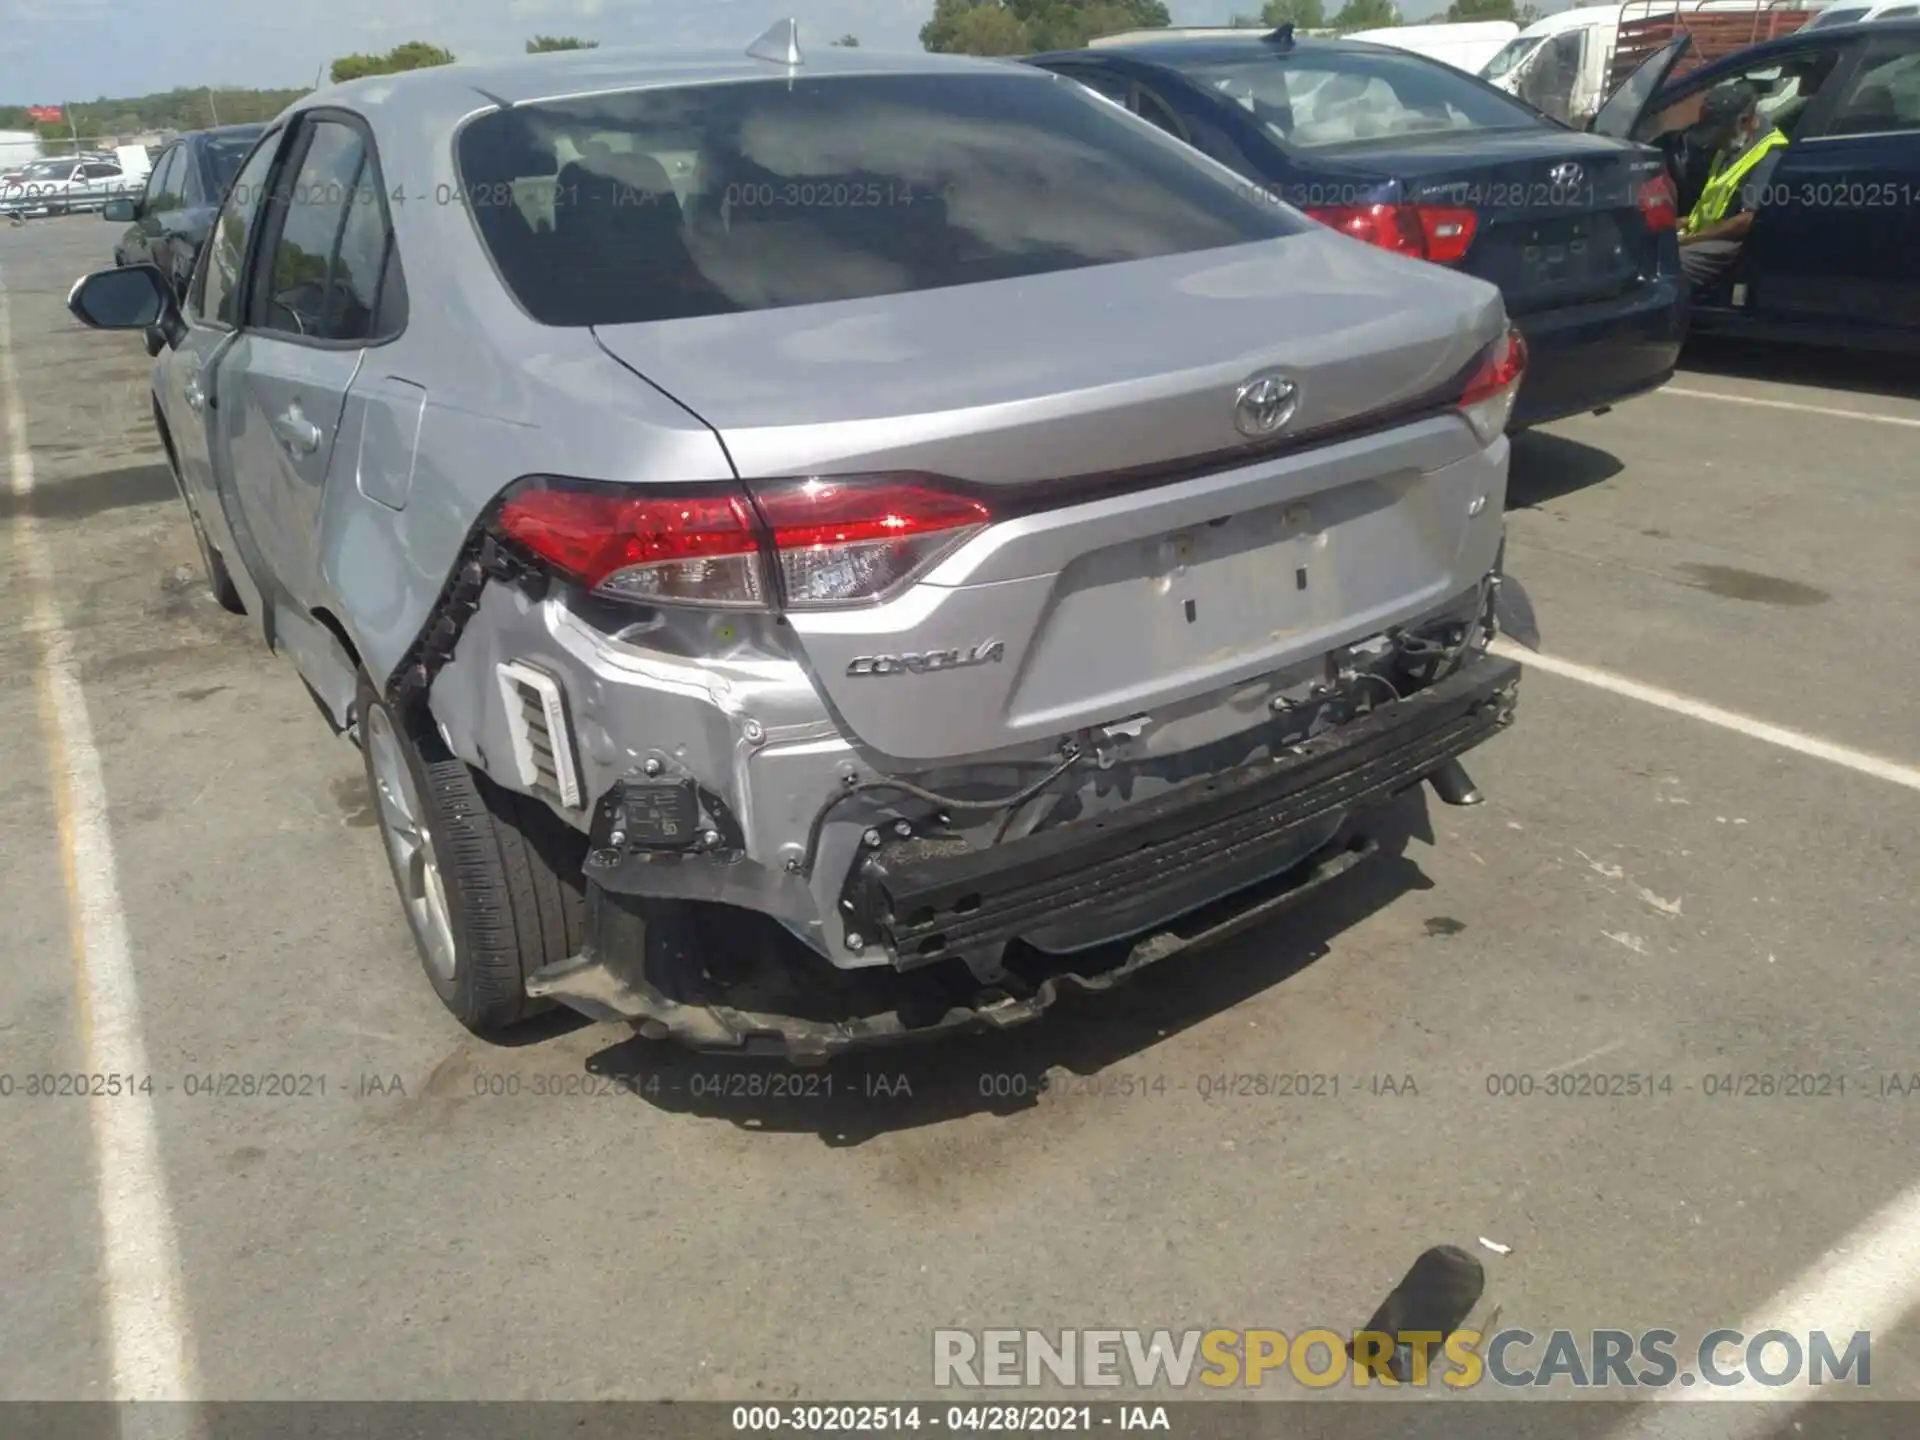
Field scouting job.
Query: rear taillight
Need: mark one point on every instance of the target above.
(685, 548)
(1440, 233)
(830, 542)
(1487, 402)
(1659, 204)
(849, 542)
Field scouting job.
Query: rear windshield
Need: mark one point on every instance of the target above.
(1311, 99)
(709, 200)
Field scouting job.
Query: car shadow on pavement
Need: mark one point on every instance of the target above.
(83, 496)
(1860, 371)
(1546, 466)
(858, 1097)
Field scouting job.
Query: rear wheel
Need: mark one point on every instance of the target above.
(491, 881)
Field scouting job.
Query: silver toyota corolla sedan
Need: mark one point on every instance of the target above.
(904, 503)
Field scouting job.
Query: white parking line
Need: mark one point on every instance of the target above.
(1687, 393)
(1869, 1281)
(150, 1351)
(1878, 766)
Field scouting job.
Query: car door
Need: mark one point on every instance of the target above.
(186, 193)
(1839, 242)
(157, 208)
(312, 298)
(1623, 112)
(137, 244)
(100, 180)
(187, 376)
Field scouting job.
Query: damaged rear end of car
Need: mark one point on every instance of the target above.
(1092, 547)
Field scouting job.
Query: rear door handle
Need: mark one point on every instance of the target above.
(297, 432)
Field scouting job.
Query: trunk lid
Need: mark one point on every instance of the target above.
(1070, 610)
(1559, 217)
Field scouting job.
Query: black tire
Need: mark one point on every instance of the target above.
(510, 870)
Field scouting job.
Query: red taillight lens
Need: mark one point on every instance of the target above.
(1659, 204)
(1487, 402)
(669, 548)
(836, 541)
(1440, 233)
(852, 541)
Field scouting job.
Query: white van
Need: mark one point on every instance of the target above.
(1467, 46)
(1563, 64)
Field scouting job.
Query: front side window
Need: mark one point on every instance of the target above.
(1509, 55)
(1322, 98)
(217, 286)
(294, 278)
(710, 200)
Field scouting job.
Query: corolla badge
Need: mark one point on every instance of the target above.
(1264, 405)
(987, 652)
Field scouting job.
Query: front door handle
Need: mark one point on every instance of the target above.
(195, 397)
(297, 432)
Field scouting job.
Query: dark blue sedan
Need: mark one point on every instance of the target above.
(1832, 256)
(173, 215)
(1577, 230)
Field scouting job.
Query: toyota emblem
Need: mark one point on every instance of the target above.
(1265, 404)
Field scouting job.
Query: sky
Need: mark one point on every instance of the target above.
(55, 51)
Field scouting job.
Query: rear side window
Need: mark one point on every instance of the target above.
(220, 161)
(1886, 94)
(1313, 99)
(664, 204)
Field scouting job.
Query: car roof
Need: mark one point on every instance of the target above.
(1212, 51)
(419, 95)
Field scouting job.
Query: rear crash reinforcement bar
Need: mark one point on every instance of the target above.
(1165, 855)
(608, 980)
(1147, 857)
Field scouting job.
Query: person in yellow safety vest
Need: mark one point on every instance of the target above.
(1746, 149)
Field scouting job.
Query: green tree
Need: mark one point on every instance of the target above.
(414, 55)
(1461, 10)
(1301, 14)
(542, 44)
(848, 42)
(1013, 27)
(1366, 15)
(1525, 15)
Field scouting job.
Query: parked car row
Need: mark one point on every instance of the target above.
(65, 186)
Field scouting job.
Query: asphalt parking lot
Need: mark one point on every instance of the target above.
(1654, 888)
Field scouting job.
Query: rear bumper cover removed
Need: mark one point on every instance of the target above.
(1147, 858)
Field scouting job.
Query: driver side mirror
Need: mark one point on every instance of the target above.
(131, 297)
(120, 211)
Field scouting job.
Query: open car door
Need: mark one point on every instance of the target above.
(1621, 113)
